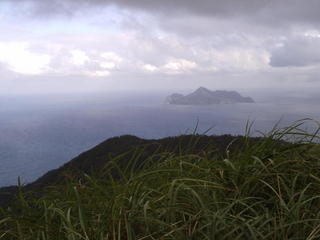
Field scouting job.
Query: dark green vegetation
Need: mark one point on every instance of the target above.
(187, 187)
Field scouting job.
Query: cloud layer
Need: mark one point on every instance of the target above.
(170, 43)
(297, 52)
(268, 12)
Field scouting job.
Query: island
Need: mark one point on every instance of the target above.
(204, 96)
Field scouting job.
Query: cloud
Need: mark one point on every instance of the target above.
(18, 59)
(297, 52)
(83, 62)
(39, 59)
(79, 57)
(266, 12)
(135, 52)
(168, 43)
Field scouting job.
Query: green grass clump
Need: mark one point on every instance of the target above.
(263, 189)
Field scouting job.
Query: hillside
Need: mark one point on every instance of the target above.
(97, 157)
(186, 187)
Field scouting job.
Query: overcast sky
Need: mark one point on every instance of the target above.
(96, 45)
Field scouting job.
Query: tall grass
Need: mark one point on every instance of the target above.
(266, 189)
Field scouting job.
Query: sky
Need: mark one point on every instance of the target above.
(63, 46)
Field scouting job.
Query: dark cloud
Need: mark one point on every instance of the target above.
(297, 52)
(273, 11)
(263, 11)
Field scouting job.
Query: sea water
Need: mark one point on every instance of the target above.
(40, 133)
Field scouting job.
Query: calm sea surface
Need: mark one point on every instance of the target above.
(41, 133)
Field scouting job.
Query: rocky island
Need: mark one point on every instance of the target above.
(204, 96)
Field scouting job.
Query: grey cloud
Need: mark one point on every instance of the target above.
(265, 11)
(272, 11)
(217, 28)
(297, 52)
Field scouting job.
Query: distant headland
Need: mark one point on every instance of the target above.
(204, 96)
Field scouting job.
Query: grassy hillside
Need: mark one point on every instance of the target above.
(187, 187)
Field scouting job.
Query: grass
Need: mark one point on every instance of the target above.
(266, 189)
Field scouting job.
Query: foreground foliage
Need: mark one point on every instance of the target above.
(265, 189)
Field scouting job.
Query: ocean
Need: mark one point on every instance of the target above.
(40, 133)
